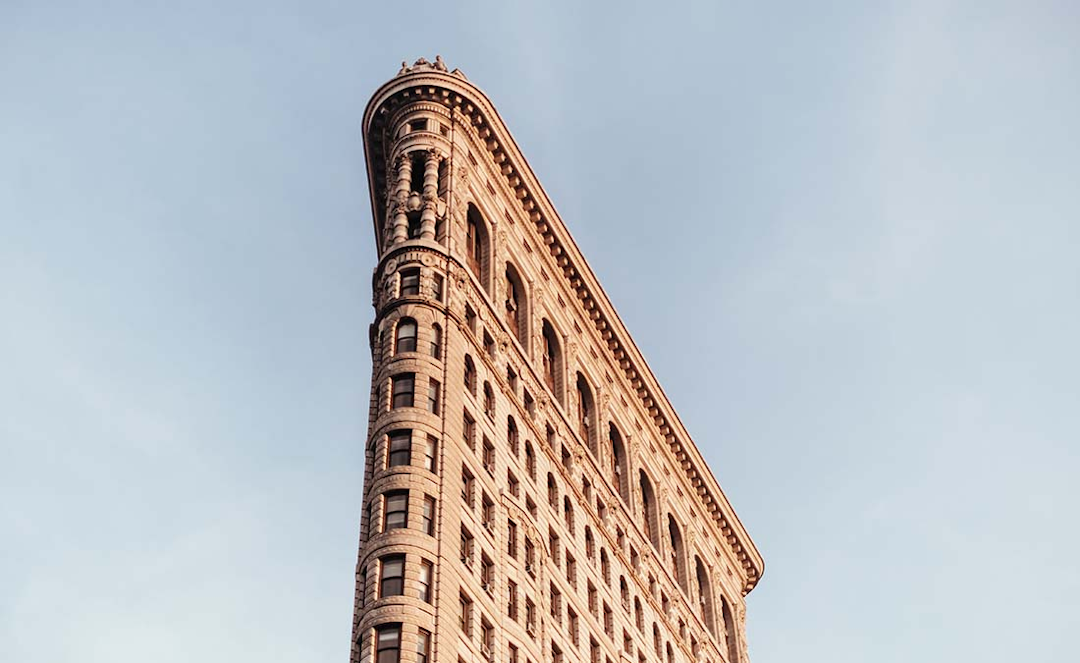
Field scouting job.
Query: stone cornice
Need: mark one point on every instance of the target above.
(472, 106)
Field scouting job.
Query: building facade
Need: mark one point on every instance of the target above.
(530, 496)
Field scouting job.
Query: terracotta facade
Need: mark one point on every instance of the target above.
(529, 493)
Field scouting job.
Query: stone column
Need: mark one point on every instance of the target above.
(401, 221)
(430, 195)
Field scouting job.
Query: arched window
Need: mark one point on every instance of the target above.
(436, 341)
(553, 491)
(639, 615)
(605, 567)
(470, 375)
(620, 473)
(624, 594)
(677, 553)
(590, 544)
(568, 515)
(670, 654)
(552, 360)
(649, 517)
(704, 595)
(732, 647)
(515, 304)
(476, 244)
(530, 460)
(656, 639)
(586, 412)
(406, 336)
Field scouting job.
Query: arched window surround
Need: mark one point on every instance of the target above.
(677, 553)
(515, 304)
(552, 361)
(477, 248)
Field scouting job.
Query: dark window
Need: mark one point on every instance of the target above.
(410, 282)
(436, 341)
(406, 336)
(470, 375)
(489, 400)
(388, 643)
(475, 242)
(392, 580)
(396, 513)
(415, 225)
(400, 448)
(403, 390)
(427, 520)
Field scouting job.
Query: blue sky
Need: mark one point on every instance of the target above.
(872, 207)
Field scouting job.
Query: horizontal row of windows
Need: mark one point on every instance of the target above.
(391, 578)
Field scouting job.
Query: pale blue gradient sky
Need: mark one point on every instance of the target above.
(873, 206)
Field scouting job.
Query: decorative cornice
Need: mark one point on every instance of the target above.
(429, 82)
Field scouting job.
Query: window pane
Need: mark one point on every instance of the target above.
(400, 447)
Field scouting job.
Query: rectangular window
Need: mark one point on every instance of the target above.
(423, 646)
(467, 487)
(433, 396)
(427, 523)
(511, 539)
(467, 547)
(571, 570)
(436, 341)
(392, 578)
(609, 621)
(489, 345)
(593, 603)
(489, 456)
(530, 404)
(410, 282)
(470, 319)
(487, 574)
(487, 512)
(465, 605)
(530, 617)
(513, 483)
(388, 643)
(530, 556)
(403, 390)
(437, 282)
(396, 510)
(400, 443)
(572, 625)
(512, 600)
(468, 430)
(487, 637)
(513, 654)
(431, 451)
(427, 571)
(555, 601)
